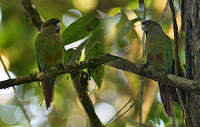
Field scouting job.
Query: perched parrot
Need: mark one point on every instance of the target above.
(49, 52)
(159, 54)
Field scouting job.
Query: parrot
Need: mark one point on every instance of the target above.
(159, 55)
(49, 53)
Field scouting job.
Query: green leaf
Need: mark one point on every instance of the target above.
(96, 44)
(73, 55)
(123, 20)
(80, 28)
(96, 47)
(97, 75)
(68, 54)
(124, 30)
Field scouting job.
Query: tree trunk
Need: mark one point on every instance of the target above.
(192, 23)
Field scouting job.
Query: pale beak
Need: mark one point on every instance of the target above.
(58, 25)
(143, 27)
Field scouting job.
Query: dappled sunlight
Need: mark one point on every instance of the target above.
(149, 95)
(114, 11)
(85, 5)
(159, 6)
(11, 114)
(134, 54)
(6, 95)
(38, 112)
(6, 62)
(92, 85)
(137, 26)
(158, 123)
(110, 96)
(71, 16)
(76, 120)
(170, 33)
(109, 29)
(105, 112)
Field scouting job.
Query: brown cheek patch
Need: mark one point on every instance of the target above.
(46, 25)
(58, 56)
(150, 57)
(159, 58)
(48, 58)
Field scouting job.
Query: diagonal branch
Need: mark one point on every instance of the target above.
(32, 13)
(80, 80)
(113, 61)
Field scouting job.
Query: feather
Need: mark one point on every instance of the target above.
(48, 89)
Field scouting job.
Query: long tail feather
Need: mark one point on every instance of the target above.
(165, 97)
(48, 89)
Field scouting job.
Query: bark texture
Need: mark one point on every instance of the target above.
(192, 18)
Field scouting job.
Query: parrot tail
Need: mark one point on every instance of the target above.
(48, 90)
(165, 97)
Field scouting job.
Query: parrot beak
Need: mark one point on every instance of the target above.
(143, 27)
(58, 25)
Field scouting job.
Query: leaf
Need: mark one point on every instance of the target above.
(97, 75)
(80, 28)
(125, 27)
(123, 19)
(96, 47)
(96, 43)
(73, 55)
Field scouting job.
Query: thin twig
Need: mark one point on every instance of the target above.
(164, 12)
(142, 78)
(111, 120)
(120, 116)
(15, 93)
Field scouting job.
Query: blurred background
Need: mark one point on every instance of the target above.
(17, 38)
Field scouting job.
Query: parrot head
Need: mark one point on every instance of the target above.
(149, 26)
(52, 23)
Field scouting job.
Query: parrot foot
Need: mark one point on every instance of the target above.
(144, 66)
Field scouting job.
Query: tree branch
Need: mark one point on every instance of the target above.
(113, 61)
(32, 13)
(80, 80)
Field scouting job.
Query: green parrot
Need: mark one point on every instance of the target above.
(49, 52)
(159, 54)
